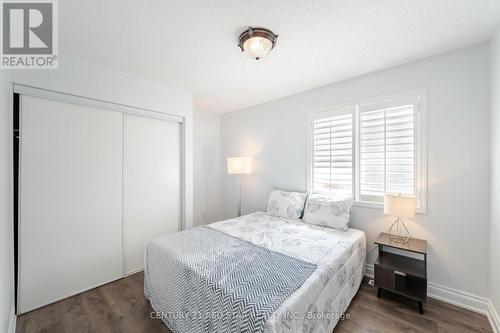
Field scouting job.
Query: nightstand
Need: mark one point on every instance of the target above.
(401, 274)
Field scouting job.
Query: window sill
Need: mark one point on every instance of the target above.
(380, 206)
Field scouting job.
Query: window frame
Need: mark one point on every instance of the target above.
(420, 98)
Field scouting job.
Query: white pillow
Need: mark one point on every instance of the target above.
(286, 204)
(330, 211)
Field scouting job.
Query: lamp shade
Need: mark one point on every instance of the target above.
(239, 165)
(399, 206)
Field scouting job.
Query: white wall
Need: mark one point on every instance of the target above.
(207, 167)
(87, 79)
(456, 225)
(6, 231)
(495, 171)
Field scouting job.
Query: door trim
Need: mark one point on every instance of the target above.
(92, 102)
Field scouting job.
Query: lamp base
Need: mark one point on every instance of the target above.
(398, 233)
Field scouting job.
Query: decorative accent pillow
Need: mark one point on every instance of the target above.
(286, 204)
(330, 211)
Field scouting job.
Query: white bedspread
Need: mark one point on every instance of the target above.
(326, 294)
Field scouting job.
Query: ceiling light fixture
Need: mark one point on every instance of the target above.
(257, 42)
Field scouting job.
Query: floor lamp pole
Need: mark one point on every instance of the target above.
(239, 166)
(239, 197)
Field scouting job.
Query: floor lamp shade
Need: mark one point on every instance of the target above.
(239, 165)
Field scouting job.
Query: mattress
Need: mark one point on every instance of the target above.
(319, 303)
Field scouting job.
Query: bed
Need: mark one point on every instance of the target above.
(255, 273)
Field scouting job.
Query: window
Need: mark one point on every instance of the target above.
(369, 149)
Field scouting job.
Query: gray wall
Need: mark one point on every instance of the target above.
(495, 171)
(207, 167)
(457, 222)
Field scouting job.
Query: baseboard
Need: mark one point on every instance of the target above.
(134, 272)
(369, 271)
(494, 318)
(12, 320)
(459, 298)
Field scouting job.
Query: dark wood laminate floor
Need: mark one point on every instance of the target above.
(121, 307)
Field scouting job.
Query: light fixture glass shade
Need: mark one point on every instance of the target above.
(239, 165)
(257, 47)
(399, 206)
(257, 42)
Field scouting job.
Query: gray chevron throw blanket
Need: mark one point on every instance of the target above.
(202, 280)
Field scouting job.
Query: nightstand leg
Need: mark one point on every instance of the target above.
(420, 307)
(379, 292)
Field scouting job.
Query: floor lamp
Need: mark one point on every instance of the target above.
(239, 166)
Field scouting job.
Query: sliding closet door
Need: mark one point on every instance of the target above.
(70, 227)
(152, 184)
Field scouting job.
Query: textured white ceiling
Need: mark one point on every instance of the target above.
(192, 43)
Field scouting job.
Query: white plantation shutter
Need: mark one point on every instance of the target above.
(386, 151)
(332, 169)
(367, 150)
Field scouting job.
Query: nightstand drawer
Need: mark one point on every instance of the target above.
(384, 277)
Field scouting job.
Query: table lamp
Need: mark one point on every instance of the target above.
(239, 166)
(399, 207)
